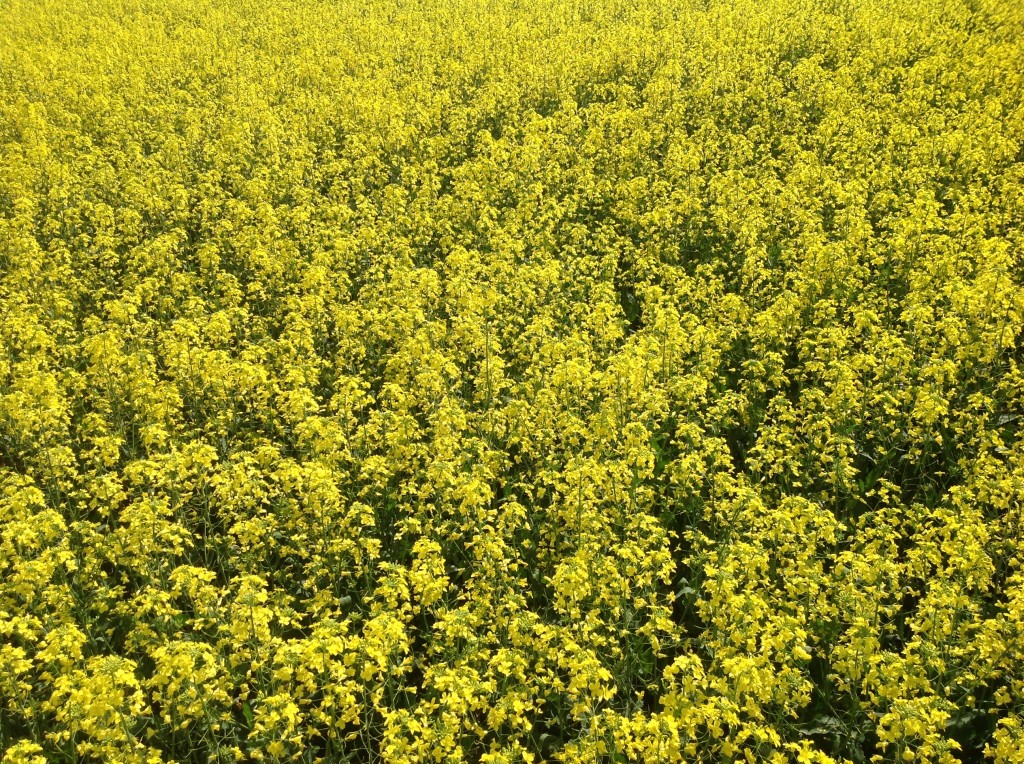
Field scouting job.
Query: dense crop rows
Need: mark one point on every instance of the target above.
(511, 380)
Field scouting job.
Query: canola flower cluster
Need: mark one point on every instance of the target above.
(511, 381)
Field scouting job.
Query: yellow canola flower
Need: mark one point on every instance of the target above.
(511, 381)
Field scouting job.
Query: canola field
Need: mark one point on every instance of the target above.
(493, 381)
